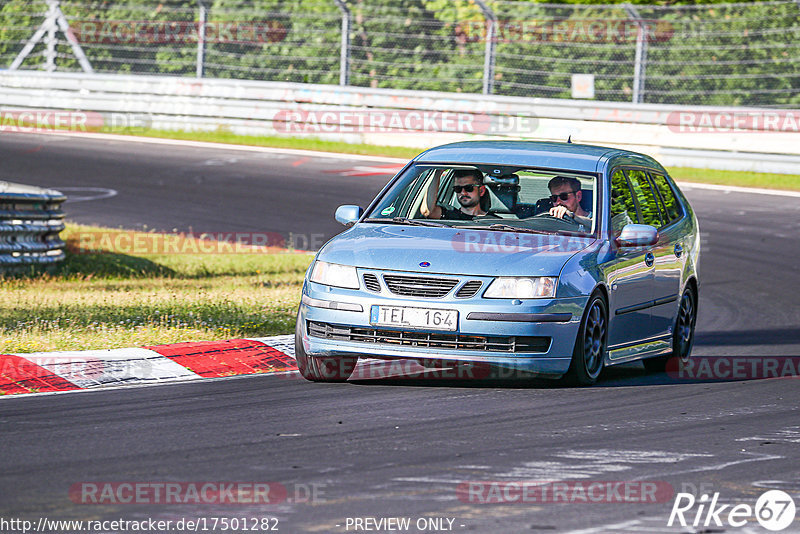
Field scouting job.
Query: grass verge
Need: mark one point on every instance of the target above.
(763, 180)
(687, 174)
(107, 299)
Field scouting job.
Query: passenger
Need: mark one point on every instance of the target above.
(566, 194)
(471, 193)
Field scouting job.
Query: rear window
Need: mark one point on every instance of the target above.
(648, 204)
(672, 209)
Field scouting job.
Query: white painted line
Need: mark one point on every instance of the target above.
(94, 368)
(756, 457)
(89, 193)
(787, 435)
(633, 457)
(225, 146)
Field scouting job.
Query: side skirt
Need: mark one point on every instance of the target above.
(656, 346)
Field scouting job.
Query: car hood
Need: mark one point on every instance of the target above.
(452, 251)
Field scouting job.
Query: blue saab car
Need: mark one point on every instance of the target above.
(556, 259)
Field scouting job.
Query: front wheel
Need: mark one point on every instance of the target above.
(321, 369)
(590, 345)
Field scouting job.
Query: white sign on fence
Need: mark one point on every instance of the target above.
(583, 86)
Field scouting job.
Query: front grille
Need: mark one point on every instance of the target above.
(427, 339)
(419, 286)
(371, 282)
(469, 289)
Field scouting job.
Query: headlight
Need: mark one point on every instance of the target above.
(333, 274)
(522, 288)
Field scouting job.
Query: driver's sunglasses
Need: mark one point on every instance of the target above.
(469, 188)
(562, 196)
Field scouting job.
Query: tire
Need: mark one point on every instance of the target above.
(590, 344)
(321, 369)
(682, 334)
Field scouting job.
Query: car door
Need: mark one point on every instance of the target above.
(669, 257)
(629, 274)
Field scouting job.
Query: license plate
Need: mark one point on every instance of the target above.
(414, 317)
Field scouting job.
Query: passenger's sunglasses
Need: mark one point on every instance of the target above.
(469, 188)
(562, 196)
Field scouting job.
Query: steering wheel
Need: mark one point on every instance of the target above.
(566, 218)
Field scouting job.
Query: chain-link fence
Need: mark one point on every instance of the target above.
(716, 54)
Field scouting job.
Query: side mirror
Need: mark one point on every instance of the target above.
(637, 235)
(348, 215)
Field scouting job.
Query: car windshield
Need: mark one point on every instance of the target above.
(494, 197)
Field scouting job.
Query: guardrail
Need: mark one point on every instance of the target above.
(699, 136)
(30, 222)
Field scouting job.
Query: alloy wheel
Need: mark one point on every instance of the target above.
(594, 339)
(684, 329)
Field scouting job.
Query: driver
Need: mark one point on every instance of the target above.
(566, 194)
(471, 193)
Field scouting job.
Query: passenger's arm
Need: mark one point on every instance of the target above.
(430, 209)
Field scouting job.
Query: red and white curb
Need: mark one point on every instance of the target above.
(43, 373)
(49, 372)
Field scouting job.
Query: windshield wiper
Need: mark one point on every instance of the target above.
(505, 228)
(406, 220)
(417, 222)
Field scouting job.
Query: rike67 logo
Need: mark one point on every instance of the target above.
(774, 510)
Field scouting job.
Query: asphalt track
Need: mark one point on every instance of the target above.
(400, 447)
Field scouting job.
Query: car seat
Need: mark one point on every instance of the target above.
(506, 190)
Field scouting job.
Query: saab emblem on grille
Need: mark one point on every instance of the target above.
(424, 264)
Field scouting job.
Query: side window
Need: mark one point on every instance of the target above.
(670, 202)
(648, 205)
(623, 209)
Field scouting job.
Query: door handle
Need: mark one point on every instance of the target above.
(678, 251)
(649, 259)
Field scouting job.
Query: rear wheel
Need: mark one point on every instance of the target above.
(590, 345)
(321, 369)
(682, 336)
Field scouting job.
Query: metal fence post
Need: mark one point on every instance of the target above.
(50, 40)
(201, 37)
(54, 19)
(344, 57)
(640, 61)
(488, 56)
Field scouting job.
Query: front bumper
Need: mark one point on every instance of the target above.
(478, 318)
